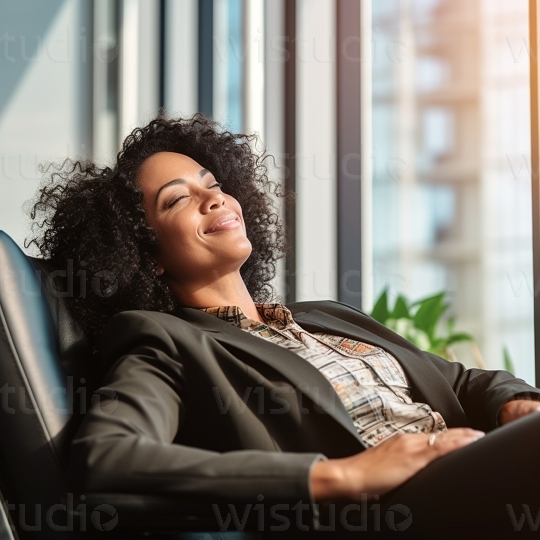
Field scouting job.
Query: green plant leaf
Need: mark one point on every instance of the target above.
(380, 309)
(418, 323)
(400, 326)
(391, 323)
(429, 312)
(401, 309)
(419, 338)
(457, 337)
(508, 365)
(437, 344)
(428, 298)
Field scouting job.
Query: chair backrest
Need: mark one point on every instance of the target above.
(45, 381)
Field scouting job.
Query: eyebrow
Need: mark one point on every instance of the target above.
(176, 181)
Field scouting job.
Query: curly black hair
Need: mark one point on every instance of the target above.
(90, 219)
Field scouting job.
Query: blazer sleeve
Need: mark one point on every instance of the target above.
(482, 392)
(124, 443)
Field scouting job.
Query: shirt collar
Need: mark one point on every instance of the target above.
(232, 314)
(273, 314)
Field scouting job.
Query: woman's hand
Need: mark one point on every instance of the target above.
(512, 410)
(383, 467)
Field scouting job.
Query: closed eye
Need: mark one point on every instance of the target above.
(174, 201)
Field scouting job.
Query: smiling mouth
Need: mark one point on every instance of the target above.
(230, 221)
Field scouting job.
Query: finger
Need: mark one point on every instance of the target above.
(453, 439)
(534, 407)
(524, 408)
(453, 433)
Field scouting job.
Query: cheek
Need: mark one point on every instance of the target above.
(178, 249)
(232, 202)
(234, 205)
(182, 226)
(175, 236)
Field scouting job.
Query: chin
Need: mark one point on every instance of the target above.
(244, 254)
(243, 244)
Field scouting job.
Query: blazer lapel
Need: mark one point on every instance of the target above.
(429, 385)
(300, 373)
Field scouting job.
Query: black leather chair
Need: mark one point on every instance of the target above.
(46, 383)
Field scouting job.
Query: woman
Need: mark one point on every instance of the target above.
(279, 415)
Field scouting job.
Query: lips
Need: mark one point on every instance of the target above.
(224, 222)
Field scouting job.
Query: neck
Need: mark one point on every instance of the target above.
(227, 290)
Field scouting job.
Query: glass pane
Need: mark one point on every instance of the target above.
(451, 151)
(45, 100)
(229, 54)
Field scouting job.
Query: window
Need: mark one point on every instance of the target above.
(451, 166)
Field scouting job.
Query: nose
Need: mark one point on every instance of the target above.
(213, 200)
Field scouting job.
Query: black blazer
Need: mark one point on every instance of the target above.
(197, 407)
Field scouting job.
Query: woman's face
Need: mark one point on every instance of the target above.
(200, 230)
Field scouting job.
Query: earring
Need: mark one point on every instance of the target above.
(158, 269)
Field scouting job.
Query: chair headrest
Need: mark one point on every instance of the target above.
(73, 347)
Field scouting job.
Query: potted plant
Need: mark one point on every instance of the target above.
(421, 323)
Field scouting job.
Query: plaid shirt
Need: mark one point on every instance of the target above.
(369, 381)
